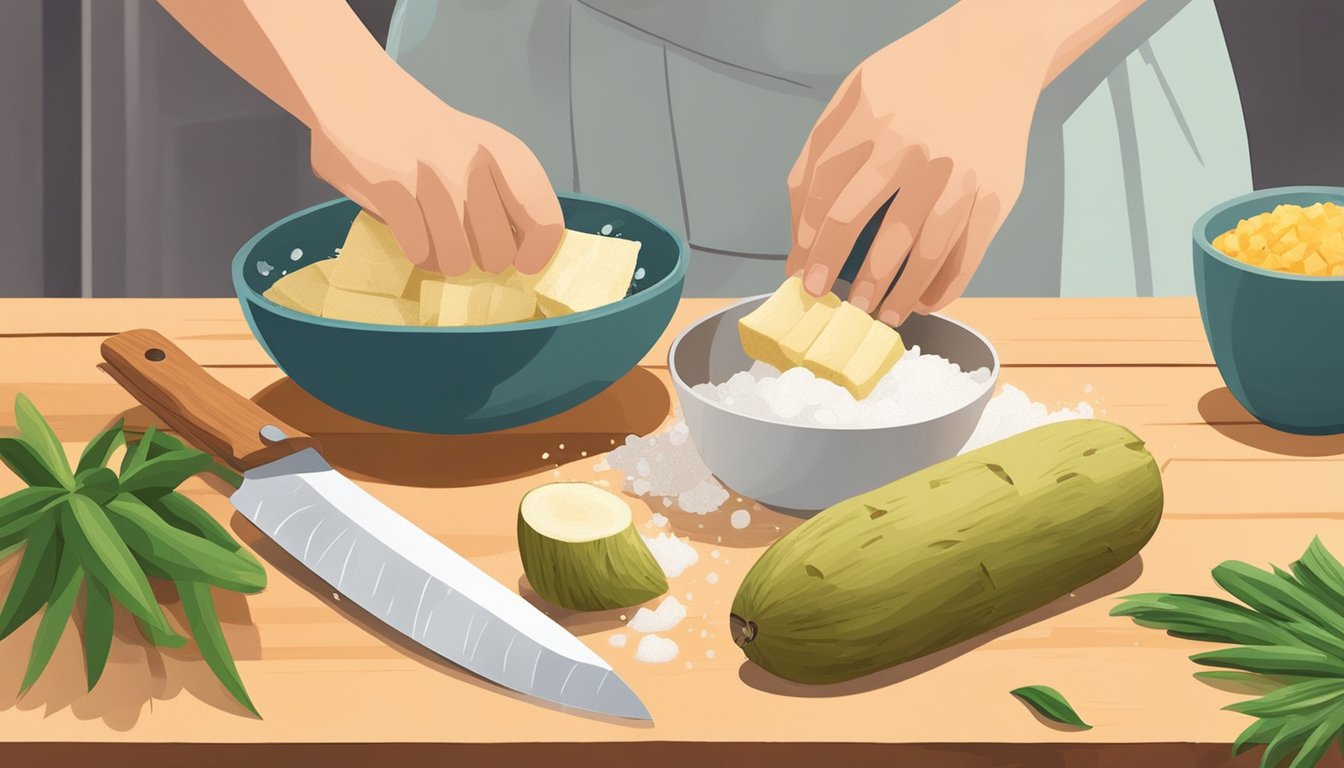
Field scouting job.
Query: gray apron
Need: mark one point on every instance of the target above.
(695, 110)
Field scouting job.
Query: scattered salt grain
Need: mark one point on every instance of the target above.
(1011, 412)
(659, 520)
(709, 654)
(653, 649)
(667, 615)
(606, 229)
(740, 519)
(689, 665)
(704, 633)
(562, 446)
(545, 455)
(617, 641)
(639, 273)
(264, 269)
(296, 254)
(674, 555)
(712, 578)
(714, 553)
(1087, 389)
(670, 468)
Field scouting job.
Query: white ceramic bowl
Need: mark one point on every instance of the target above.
(804, 469)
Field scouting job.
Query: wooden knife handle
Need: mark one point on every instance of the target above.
(195, 404)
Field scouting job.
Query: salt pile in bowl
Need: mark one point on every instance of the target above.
(918, 388)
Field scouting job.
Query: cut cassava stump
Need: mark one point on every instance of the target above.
(580, 549)
(948, 552)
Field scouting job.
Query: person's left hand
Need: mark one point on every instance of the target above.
(940, 119)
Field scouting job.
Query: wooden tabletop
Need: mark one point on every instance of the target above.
(331, 685)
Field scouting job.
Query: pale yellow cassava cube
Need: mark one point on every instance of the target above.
(303, 290)
(341, 304)
(876, 354)
(464, 304)
(837, 342)
(799, 339)
(385, 278)
(370, 240)
(586, 272)
(429, 300)
(510, 305)
(764, 328)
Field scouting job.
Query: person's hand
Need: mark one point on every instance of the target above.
(939, 119)
(454, 189)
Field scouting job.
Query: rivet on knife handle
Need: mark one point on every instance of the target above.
(195, 404)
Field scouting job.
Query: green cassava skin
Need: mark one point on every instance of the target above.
(948, 552)
(613, 572)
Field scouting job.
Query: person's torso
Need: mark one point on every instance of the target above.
(695, 110)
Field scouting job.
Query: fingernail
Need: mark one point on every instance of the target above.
(861, 296)
(814, 280)
(891, 317)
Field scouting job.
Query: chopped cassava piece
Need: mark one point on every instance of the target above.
(764, 329)
(372, 281)
(580, 549)
(368, 308)
(833, 339)
(587, 271)
(303, 290)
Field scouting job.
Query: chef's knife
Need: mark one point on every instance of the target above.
(363, 549)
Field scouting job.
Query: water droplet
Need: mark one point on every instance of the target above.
(264, 269)
(296, 254)
(606, 229)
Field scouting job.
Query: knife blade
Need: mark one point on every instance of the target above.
(364, 550)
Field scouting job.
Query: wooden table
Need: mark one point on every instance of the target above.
(333, 687)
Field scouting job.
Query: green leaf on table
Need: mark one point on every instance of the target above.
(97, 483)
(25, 462)
(1209, 619)
(183, 513)
(156, 443)
(106, 557)
(99, 622)
(69, 576)
(179, 554)
(165, 472)
(1273, 660)
(99, 451)
(34, 578)
(1050, 704)
(38, 435)
(18, 509)
(1307, 696)
(199, 606)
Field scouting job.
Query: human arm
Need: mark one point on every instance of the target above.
(453, 188)
(940, 119)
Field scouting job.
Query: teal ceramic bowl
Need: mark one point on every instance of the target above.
(458, 380)
(1274, 335)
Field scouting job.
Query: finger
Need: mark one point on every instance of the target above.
(833, 172)
(852, 207)
(395, 204)
(897, 231)
(488, 229)
(986, 218)
(443, 218)
(937, 234)
(533, 209)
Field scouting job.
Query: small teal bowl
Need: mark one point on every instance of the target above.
(458, 380)
(1274, 335)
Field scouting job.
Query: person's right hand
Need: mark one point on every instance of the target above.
(453, 188)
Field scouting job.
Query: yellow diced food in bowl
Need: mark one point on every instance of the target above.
(1293, 239)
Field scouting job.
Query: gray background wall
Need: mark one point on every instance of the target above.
(132, 163)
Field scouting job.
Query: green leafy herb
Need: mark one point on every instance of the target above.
(1288, 638)
(1050, 704)
(107, 533)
